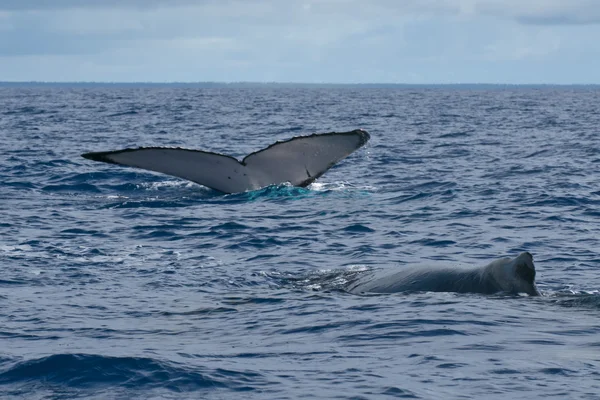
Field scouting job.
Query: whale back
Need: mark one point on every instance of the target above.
(516, 275)
(426, 279)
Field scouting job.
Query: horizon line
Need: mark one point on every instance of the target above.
(283, 83)
(289, 85)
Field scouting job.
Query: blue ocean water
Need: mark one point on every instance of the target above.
(120, 283)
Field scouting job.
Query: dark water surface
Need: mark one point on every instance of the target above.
(120, 283)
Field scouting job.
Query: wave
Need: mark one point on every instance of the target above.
(82, 187)
(123, 113)
(320, 280)
(575, 299)
(86, 371)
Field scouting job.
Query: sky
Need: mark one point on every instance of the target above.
(311, 41)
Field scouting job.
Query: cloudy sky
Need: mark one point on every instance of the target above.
(337, 41)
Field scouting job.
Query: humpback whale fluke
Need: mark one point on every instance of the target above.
(299, 161)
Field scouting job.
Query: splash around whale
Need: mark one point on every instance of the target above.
(298, 161)
(506, 275)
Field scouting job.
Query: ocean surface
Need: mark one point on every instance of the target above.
(117, 283)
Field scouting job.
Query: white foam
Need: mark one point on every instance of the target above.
(175, 183)
(17, 248)
(357, 268)
(339, 186)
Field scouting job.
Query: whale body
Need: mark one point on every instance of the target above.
(508, 275)
(298, 161)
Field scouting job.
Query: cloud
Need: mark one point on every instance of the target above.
(542, 12)
(524, 11)
(308, 40)
(92, 31)
(89, 30)
(560, 19)
(36, 5)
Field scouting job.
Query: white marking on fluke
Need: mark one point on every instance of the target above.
(299, 161)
